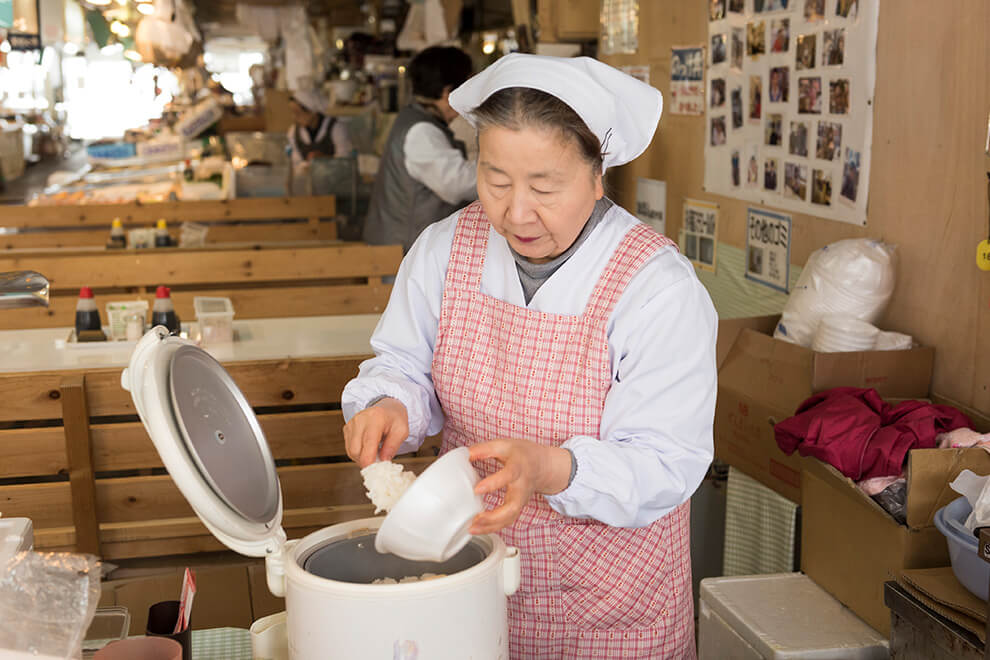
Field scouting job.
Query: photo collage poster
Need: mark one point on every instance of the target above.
(789, 113)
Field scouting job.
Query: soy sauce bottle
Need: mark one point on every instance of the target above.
(87, 315)
(163, 312)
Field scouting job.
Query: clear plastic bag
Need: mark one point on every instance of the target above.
(854, 277)
(47, 601)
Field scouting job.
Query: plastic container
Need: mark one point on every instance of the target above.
(192, 234)
(216, 320)
(971, 571)
(778, 616)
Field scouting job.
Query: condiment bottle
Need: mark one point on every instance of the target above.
(163, 312)
(117, 238)
(161, 234)
(87, 315)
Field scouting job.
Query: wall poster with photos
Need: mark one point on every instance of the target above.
(789, 116)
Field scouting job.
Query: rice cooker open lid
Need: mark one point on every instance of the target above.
(209, 440)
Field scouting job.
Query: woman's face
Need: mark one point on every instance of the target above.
(536, 189)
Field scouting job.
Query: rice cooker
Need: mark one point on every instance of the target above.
(212, 445)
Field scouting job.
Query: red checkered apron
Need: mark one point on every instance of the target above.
(588, 590)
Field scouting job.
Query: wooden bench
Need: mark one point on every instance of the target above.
(75, 459)
(262, 281)
(235, 220)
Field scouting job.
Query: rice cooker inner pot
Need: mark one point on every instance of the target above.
(355, 560)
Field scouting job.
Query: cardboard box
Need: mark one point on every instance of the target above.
(851, 546)
(223, 595)
(763, 380)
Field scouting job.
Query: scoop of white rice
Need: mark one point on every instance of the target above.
(385, 482)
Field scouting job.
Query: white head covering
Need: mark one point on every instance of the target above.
(620, 110)
(311, 100)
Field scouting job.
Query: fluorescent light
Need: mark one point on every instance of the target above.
(99, 3)
(133, 55)
(112, 49)
(70, 49)
(146, 8)
(4, 46)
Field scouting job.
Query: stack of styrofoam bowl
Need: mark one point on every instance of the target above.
(893, 341)
(844, 333)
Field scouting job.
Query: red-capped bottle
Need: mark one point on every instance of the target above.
(163, 312)
(87, 315)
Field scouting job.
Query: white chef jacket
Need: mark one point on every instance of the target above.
(441, 167)
(655, 441)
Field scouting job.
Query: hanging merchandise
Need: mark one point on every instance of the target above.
(168, 37)
(425, 26)
(791, 94)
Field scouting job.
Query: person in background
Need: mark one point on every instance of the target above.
(571, 348)
(314, 133)
(424, 174)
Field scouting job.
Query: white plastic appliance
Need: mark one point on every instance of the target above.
(209, 440)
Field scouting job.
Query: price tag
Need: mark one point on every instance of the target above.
(983, 255)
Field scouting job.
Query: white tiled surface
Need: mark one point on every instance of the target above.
(259, 339)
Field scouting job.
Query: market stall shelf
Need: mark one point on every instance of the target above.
(234, 220)
(262, 281)
(77, 462)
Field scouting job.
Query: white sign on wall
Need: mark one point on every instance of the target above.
(768, 248)
(651, 203)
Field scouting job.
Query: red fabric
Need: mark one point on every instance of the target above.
(860, 434)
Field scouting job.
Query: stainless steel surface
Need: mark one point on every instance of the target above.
(356, 560)
(23, 288)
(222, 434)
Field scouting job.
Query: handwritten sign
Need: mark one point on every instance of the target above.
(768, 248)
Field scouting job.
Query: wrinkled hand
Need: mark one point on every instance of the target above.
(527, 468)
(376, 432)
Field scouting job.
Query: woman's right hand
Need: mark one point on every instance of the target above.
(376, 432)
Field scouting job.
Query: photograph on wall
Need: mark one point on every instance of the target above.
(651, 203)
(810, 96)
(833, 47)
(718, 49)
(687, 86)
(768, 248)
(805, 56)
(738, 48)
(829, 140)
(850, 176)
(770, 174)
(737, 108)
(756, 38)
(821, 187)
(780, 84)
(620, 27)
(790, 109)
(780, 35)
(700, 232)
(795, 181)
(774, 136)
(797, 140)
(717, 95)
(838, 96)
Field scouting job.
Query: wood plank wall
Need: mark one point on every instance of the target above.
(928, 183)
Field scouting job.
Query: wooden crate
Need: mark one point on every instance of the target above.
(236, 220)
(277, 280)
(75, 459)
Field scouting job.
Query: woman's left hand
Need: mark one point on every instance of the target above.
(527, 468)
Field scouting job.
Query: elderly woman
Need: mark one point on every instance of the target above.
(572, 349)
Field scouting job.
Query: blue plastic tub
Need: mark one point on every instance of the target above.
(970, 570)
